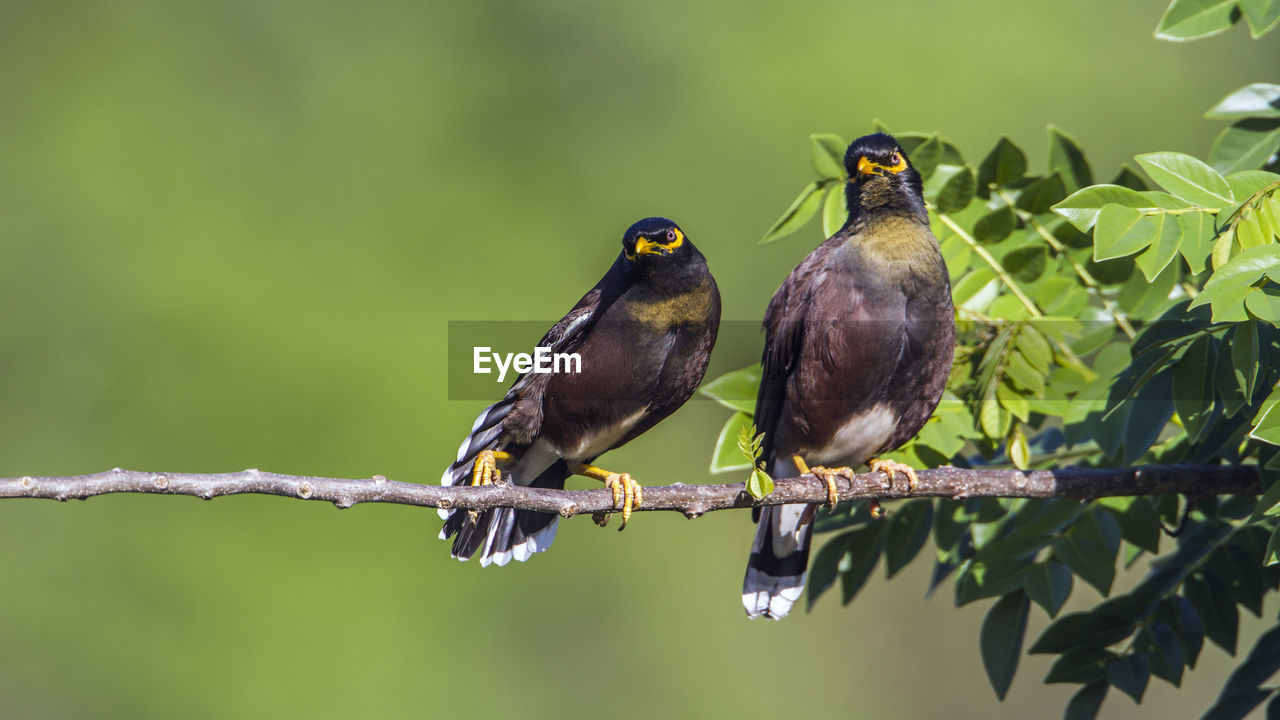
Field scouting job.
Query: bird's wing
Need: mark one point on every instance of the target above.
(517, 417)
(784, 335)
(526, 393)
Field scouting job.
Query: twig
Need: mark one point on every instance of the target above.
(692, 500)
(1032, 309)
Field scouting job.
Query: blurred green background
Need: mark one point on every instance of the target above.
(232, 235)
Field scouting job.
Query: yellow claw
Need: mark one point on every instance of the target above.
(828, 475)
(892, 468)
(628, 495)
(626, 490)
(485, 471)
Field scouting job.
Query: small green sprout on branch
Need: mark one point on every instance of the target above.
(759, 484)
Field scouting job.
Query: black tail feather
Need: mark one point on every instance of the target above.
(501, 534)
(779, 557)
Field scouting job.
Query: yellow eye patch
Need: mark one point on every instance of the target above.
(645, 246)
(869, 167)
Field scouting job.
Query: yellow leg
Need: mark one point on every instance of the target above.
(626, 491)
(829, 475)
(891, 468)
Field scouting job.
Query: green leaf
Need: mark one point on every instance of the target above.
(1128, 177)
(1033, 526)
(989, 578)
(1019, 370)
(1027, 263)
(1226, 289)
(1245, 183)
(825, 567)
(972, 285)
(1188, 178)
(1244, 358)
(926, 156)
(1266, 427)
(1090, 548)
(1243, 690)
(1084, 705)
(1271, 555)
(1082, 629)
(1208, 593)
(1040, 195)
(1246, 145)
(1193, 394)
(1243, 574)
(1193, 19)
(1139, 523)
(1066, 157)
(1181, 616)
(1032, 344)
(759, 484)
(1004, 165)
(991, 419)
(834, 211)
(1264, 304)
(1048, 584)
(726, 456)
(1197, 239)
(1248, 266)
(1159, 643)
(1223, 247)
(995, 225)
(1262, 15)
(1249, 232)
(1001, 639)
(735, 390)
(802, 210)
(906, 533)
(1225, 381)
(1123, 231)
(1019, 452)
(865, 545)
(1163, 249)
(827, 153)
(1130, 674)
(1081, 208)
(1083, 664)
(1256, 100)
(957, 192)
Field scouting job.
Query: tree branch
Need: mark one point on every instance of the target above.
(692, 500)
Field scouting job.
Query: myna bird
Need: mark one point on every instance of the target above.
(858, 345)
(644, 334)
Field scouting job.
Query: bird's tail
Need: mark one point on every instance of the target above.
(779, 557)
(500, 534)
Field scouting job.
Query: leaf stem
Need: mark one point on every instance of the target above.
(996, 267)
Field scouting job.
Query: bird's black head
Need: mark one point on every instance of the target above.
(881, 177)
(656, 250)
(653, 240)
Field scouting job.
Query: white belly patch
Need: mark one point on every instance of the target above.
(858, 438)
(599, 442)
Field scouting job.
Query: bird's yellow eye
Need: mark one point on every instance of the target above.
(671, 235)
(896, 158)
